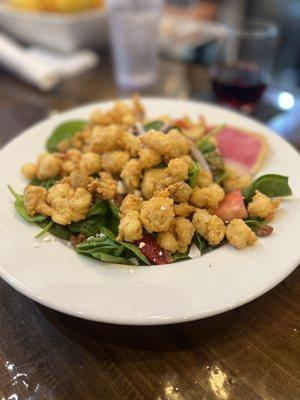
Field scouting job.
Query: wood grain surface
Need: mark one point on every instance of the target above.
(250, 353)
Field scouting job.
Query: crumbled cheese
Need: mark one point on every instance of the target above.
(35, 246)
(138, 193)
(142, 244)
(134, 261)
(131, 271)
(47, 239)
(120, 187)
(194, 251)
(69, 244)
(163, 208)
(101, 235)
(160, 253)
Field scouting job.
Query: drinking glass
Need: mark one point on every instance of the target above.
(134, 31)
(243, 63)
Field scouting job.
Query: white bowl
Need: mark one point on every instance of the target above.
(60, 32)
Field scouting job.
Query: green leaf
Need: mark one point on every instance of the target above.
(15, 194)
(98, 209)
(57, 230)
(203, 244)
(114, 209)
(21, 210)
(46, 184)
(64, 131)
(255, 223)
(60, 231)
(111, 259)
(136, 251)
(106, 257)
(180, 257)
(207, 147)
(103, 213)
(132, 248)
(104, 249)
(193, 174)
(93, 244)
(272, 185)
(212, 154)
(220, 176)
(113, 218)
(44, 230)
(156, 125)
(202, 143)
(89, 226)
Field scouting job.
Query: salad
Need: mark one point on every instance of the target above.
(124, 189)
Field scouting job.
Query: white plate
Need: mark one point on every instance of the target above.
(61, 32)
(57, 277)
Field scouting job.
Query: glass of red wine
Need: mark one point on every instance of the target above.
(243, 62)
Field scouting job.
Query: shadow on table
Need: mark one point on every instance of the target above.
(177, 337)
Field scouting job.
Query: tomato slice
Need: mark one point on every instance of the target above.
(232, 206)
(181, 123)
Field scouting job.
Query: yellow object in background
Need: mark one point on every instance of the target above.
(64, 6)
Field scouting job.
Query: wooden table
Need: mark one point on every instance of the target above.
(251, 353)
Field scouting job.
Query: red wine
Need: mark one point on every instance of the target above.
(238, 86)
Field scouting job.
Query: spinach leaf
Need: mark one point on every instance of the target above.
(136, 251)
(104, 249)
(204, 141)
(203, 244)
(132, 248)
(180, 257)
(89, 226)
(45, 230)
(271, 185)
(103, 213)
(107, 245)
(216, 164)
(114, 209)
(98, 209)
(207, 147)
(111, 259)
(212, 154)
(57, 230)
(64, 131)
(60, 231)
(156, 125)
(255, 223)
(113, 217)
(46, 184)
(21, 210)
(220, 176)
(193, 174)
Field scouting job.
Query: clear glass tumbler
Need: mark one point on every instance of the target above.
(243, 63)
(134, 31)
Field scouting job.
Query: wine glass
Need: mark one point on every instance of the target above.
(243, 63)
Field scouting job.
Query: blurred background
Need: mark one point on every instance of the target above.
(61, 53)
